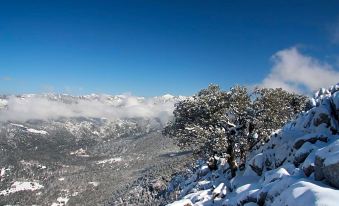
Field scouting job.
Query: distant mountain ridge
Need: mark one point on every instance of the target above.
(114, 100)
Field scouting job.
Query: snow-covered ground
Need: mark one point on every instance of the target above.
(21, 186)
(31, 130)
(80, 153)
(111, 160)
(298, 166)
(2, 173)
(61, 201)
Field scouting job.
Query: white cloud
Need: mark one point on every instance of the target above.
(39, 107)
(297, 72)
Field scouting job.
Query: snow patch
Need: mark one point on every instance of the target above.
(2, 173)
(33, 164)
(307, 193)
(30, 130)
(112, 160)
(61, 201)
(184, 202)
(21, 186)
(37, 131)
(79, 153)
(95, 184)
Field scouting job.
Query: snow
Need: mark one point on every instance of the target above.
(257, 162)
(307, 193)
(112, 160)
(330, 153)
(184, 202)
(333, 159)
(221, 190)
(79, 153)
(18, 125)
(2, 173)
(95, 184)
(32, 163)
(37, 131)
(61, 201)
(305, 149)
(273, 175)
(21, 186)
(168, 96)
(30, 130)
(312, 138)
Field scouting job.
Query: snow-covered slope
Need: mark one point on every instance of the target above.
(299, 165)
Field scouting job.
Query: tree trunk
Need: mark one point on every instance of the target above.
(212, 163)
(231, 160)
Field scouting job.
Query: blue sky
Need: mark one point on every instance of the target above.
(156, 47)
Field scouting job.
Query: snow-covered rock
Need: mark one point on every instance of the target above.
(282, 171)
(327, 163)
(303, 152)
(257, 163)
(307, 193)
(274, 175)
(311, 138)
(220, 191)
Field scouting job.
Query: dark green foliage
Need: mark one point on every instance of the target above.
(274, 107)
(216, 122)
(199, 122)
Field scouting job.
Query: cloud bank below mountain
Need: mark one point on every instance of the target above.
(126, 106)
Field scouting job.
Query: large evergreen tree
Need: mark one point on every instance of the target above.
(215, 122)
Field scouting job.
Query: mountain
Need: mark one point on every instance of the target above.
(298, 166)
(58, 149)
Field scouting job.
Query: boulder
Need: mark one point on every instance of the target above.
(257, 163)
(331, 174)
(311, 138)
(318, 168)
(308, 170)
(322, 118)
(204, 170)
(303, 153)
(327, 164)
(275, 174)
(220, 191)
